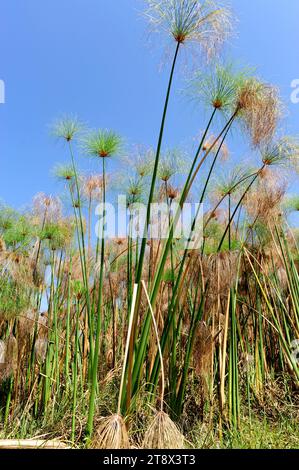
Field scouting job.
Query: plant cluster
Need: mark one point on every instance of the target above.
(119, 342)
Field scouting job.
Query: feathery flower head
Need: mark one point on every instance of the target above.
(47, 206)
(64, 172)
(282, 152)
(172, 192)
(207, 146)
(196, 21)
(67, 128)
(92, 185)
(291, 203)
(259, 107)
(8, 217)
(264, 202)
(228, 184)
(292, 151)
(144, 163)
(135, 191)
(57, 234)
(102, 143)
(140, 160)
(170, 164)
(218, 89)
(135, 187)
(77, 288)
(20, 232)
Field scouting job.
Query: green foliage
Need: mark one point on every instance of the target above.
(225, 315)
(8, 218)
(14, 297)
(291, 204)
(56, 235)
(19, 232)
(64, 172)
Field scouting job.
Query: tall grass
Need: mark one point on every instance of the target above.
(204, 335)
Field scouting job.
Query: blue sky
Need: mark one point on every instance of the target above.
(91, 58)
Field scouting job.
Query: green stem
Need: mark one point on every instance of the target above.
(145, 235)
(99, 318)
(237, 207)
(75, 371)
(159, 272)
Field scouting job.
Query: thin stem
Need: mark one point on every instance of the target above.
(99, 317)
(158, 344)
(237, 207)
(155, 170)
(148, 217)
(127, 348)
(229, 222)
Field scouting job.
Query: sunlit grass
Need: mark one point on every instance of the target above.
(97, 334)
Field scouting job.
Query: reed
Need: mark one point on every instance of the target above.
(121, 342)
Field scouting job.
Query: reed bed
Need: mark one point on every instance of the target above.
(98, 333)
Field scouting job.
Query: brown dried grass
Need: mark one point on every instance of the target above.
(111, 434)
(163, 434)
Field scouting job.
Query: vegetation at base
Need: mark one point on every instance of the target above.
(116, 342)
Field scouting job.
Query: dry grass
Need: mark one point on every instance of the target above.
(111, 433)
(163, 433)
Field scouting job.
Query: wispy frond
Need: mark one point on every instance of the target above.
(200, 22)
(218, 89)
(282, 152)
(102, 143)
(67, 128)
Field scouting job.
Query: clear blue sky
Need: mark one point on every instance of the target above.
(90, 57)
